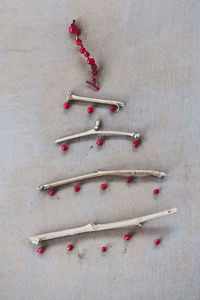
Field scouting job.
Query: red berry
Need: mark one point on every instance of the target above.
(76, 188)
(95, 66)
(69, 247)
(135, 144)
(95, 72)
(92, 60)
(82, 50)
(127, 237)
(103, 249)
(71, 29)
(78, 30)
(103, 186)
(64, 147)
(87, 54)
(78, 42)
(128, 179)
(99, 142)
(66, 105)
(156, 191)
(157, 241)
(51, 192)
(112, 108)
(90, 110)
(40, 250)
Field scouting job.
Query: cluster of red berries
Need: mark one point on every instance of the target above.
(103, 249)
(90, 61)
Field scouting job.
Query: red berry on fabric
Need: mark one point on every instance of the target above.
(78, 42)
(66, 105)
(76, 188)
(103, 186)
(135, 144)
(71, 29)
(92, 60)
(64, 147)
(40, 250)
(99, 142)
(95, 66)
(157, 241)
(90, 110)
(69, 247)
(95, 72)
(82, 50)
(52, 192)
(156, 191)
(112, 108)
(103, 249)
(78, 30)
(128, 179)
(127, 237)
(87, 54)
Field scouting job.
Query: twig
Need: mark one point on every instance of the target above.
(71, 97)
(100, 174)
(96, 131)
(92, 227)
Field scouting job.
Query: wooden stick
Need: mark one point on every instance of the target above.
(100, 174)
(96, 131)
(71, 97)
(92, 227)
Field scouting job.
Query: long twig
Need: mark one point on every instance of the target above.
(100, 174)
(92, 227)
(71, 97)
(96, 131)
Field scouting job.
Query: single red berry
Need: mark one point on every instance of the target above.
(135, 144)
(64, 147)
(78, 42)
(90, 110)
(156, 191)
(76, 188)
(52, 192)
(71, 29)
(112, 108)
(78, 30)
(103, 249)
(94, 66)
(69, 247)
(92, 60)
(99, 142)
(86, 54)
(40, 250)
(128, 179)
(88, 61)
(95, 72)
(82, 50)
(66, 105)
(157, 241)
(127, 237)
(103, 186)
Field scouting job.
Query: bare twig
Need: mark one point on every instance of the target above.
(96, 131)
(100, 174)
(92, 227)
(71, 97)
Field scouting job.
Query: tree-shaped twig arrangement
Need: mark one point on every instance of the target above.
(101, 174)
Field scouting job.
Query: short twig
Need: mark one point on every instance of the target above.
(100, 174)
(71, 97)
(92, 227)
(96, 131)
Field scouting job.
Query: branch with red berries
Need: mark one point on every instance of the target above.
(90, 61)
(91, 227)
(101, 174)
(96, 131)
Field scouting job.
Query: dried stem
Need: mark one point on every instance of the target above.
(100, 174)
(92, 227)
(71, 97)
(96, 131)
